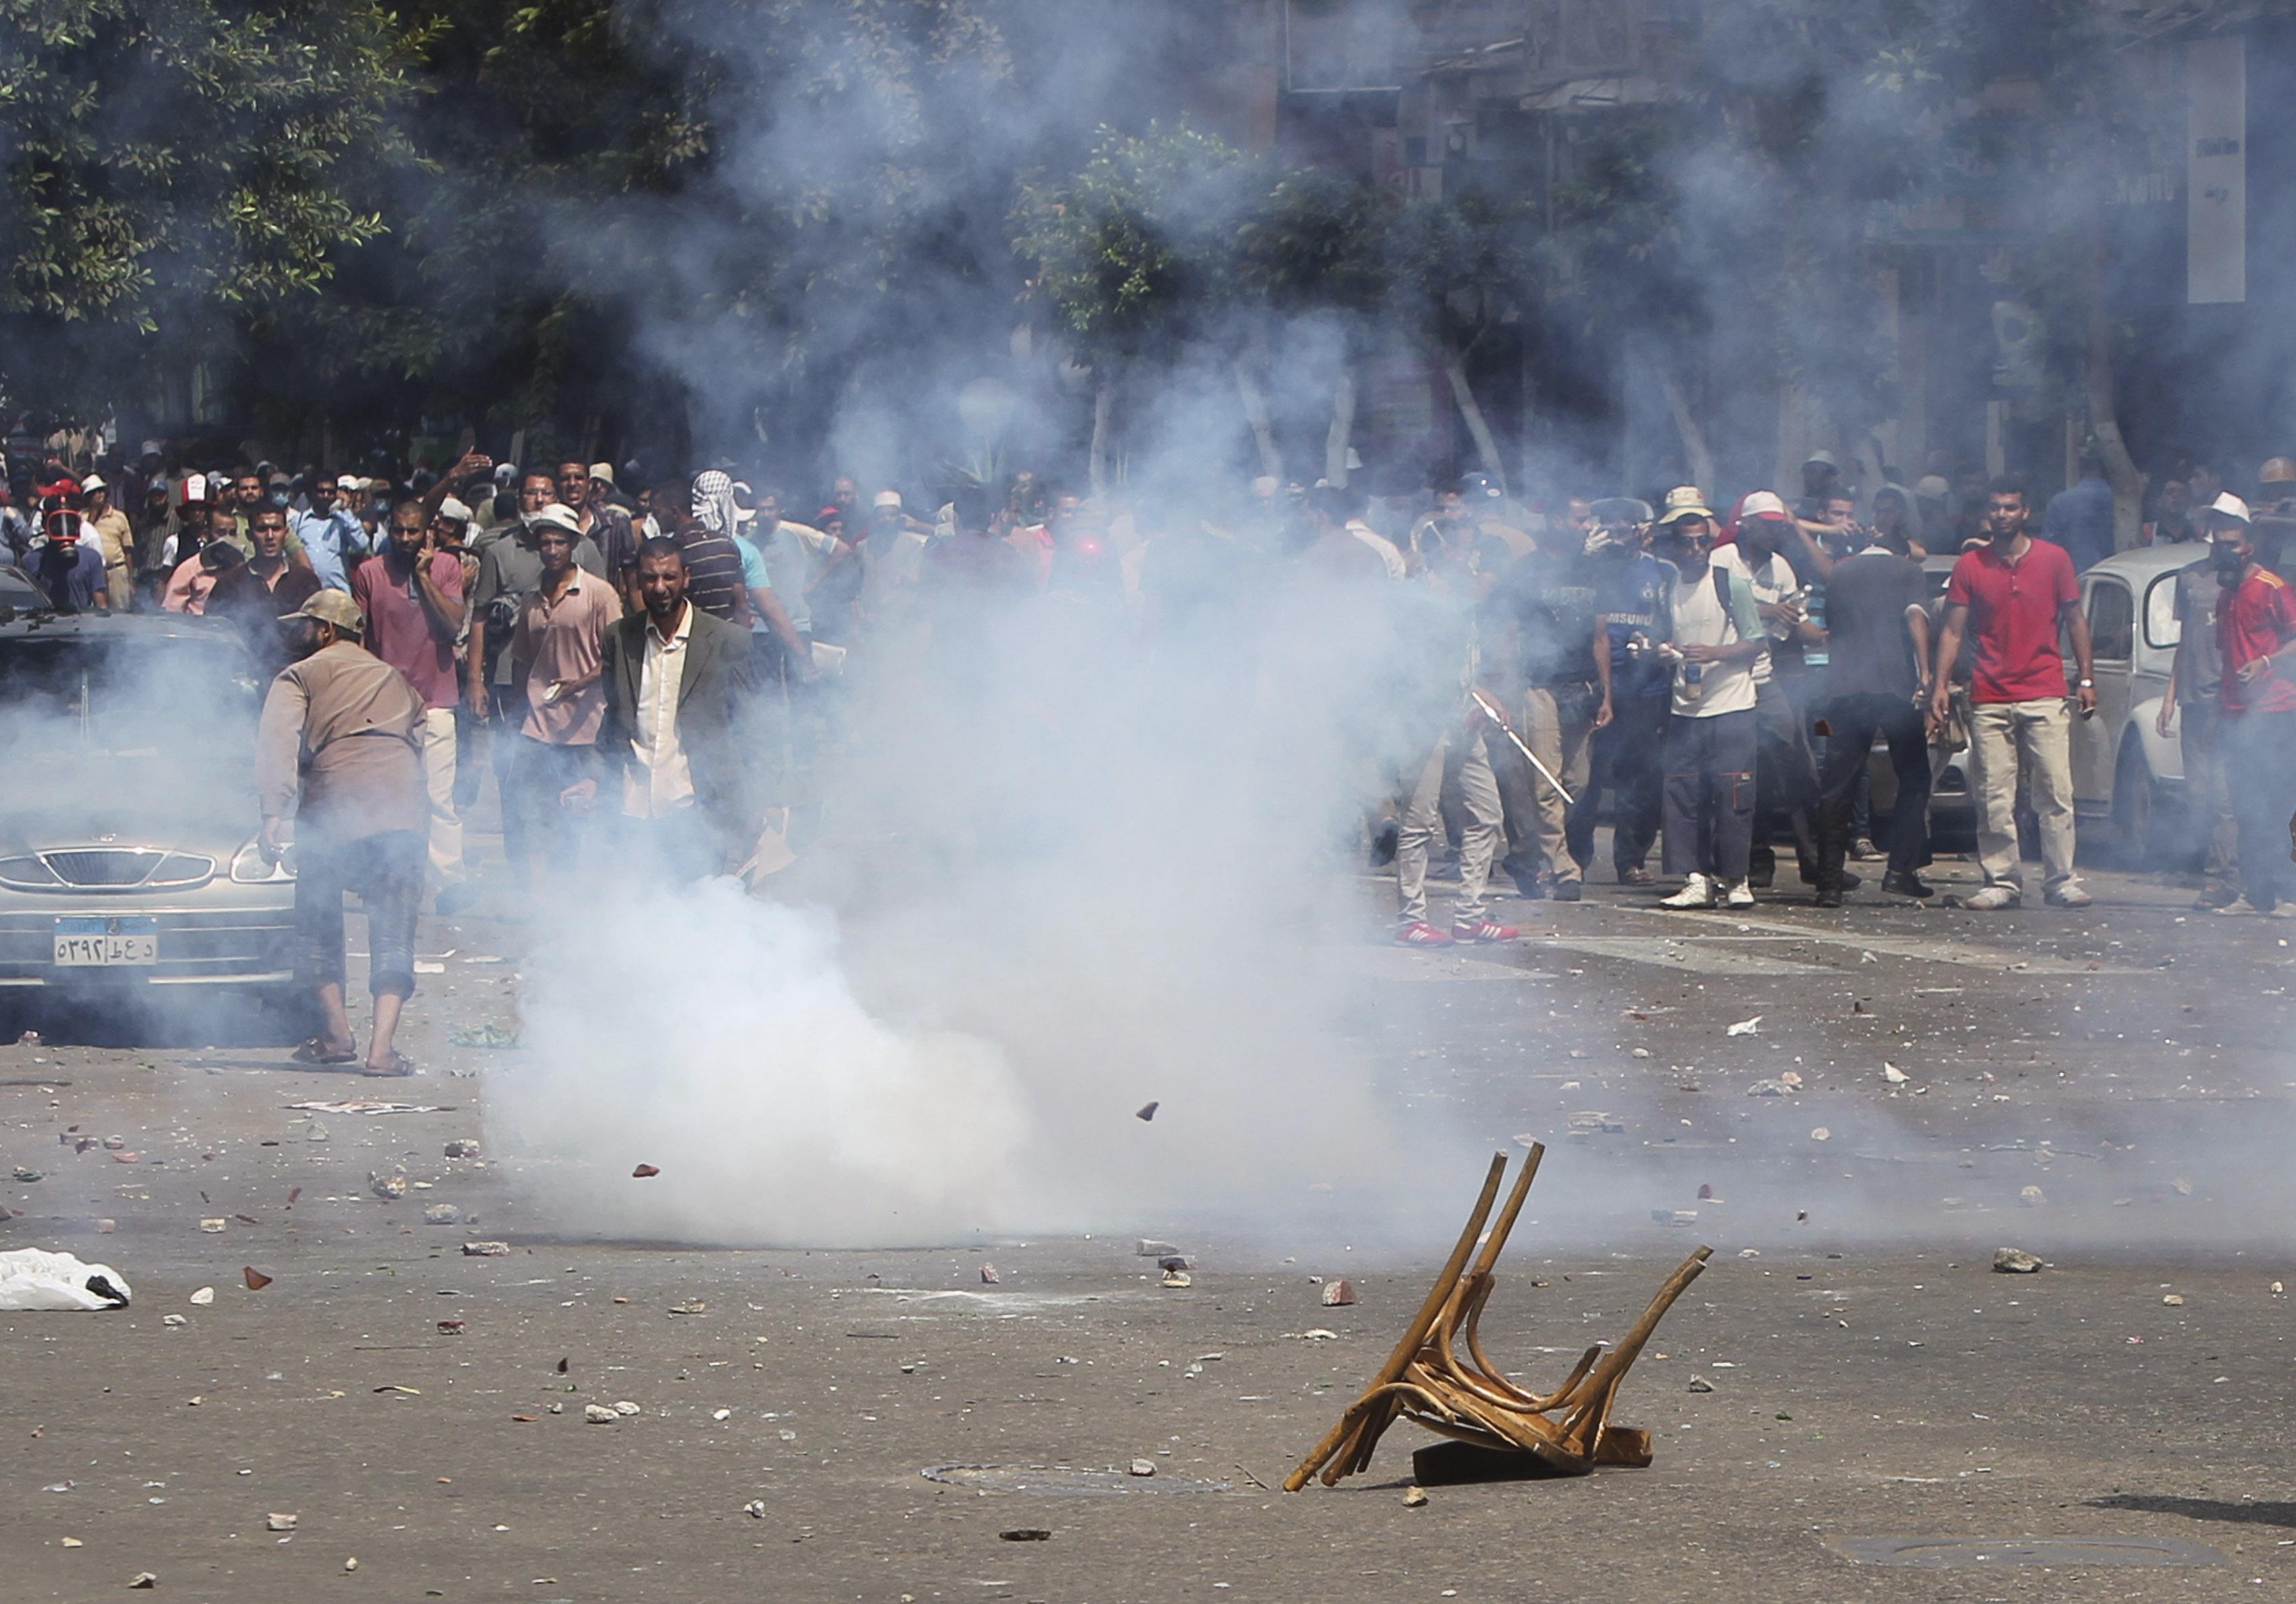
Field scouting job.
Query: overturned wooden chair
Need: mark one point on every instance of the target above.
(1463, 1394)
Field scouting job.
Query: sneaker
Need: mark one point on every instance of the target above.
(2068, 896)
(1483, 930)
(1697, 892)
(1863, 849)
(2240, 908)
(1908, 884)
(1738, 895)
(2216, 896)
(1422, 935)
(1987, 898)
(1566, 891)
(1637, 875)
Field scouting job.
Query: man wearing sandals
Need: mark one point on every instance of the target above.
(339, 767)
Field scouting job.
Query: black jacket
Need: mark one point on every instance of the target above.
(717, 697)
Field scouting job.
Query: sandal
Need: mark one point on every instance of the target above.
(398, 1066)
(315, 1051)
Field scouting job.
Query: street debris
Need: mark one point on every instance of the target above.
(1149, 1248)
(755, 1508)
(215, 1227)
(280, 1523)
(988, 1275)
(144, 1579)
(1147, 1112)
(483, 1035)
(32, 1278)
(644, 1171)
(1821, 1134)
(451, 1328)
(1414, 1497)
(1141, 1467)
(1427, 1380)
(2016, 1261)
(598, 1414)
(442, 1214)
(628, 1408)
(1178, 1277)
(1674, 1216)
(390, 1188)
(202, 1297)
(2032, 1197)
(486, 1250)
(2174, 1300)
(462, 1147)
(1026, 1534)
(256, 1279)
(175, 1320)
(1314, 1334)
(1893, 1074)
(1770, 1088)
(2183, 1188)
(25, 1174)
(364, 1106)
(1339, 1293)
(1745, 1027)
(1699, 1384)
(692, 1305)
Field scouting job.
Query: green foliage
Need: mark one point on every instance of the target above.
(171, 164)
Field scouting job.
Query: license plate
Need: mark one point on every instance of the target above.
(100, 941)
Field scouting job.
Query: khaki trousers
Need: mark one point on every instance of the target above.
(439, 780)
(1460, 761)
(2039, 734)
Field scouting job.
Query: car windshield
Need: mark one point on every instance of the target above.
(2162, 630)
(74, 697)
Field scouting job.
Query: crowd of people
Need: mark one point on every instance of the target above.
(639, 662)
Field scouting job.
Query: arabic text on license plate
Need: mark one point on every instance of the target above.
(100, 941)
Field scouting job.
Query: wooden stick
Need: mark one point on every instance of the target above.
(1415, 1334)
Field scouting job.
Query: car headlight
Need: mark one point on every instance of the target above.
(249, 868)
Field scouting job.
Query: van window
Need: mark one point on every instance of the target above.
(2112, 620)
(2162, 628)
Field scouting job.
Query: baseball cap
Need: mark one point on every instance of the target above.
(2229, 505)
(1621, 510)
(333, 607)
(1684, 501)
(454, 511)
(1827, 457)
(558, 515)
(1764, 504)
(1480, 484)
(1932, 487)
(603, 470)
(196, 488)
(886, 499)
(95, 482)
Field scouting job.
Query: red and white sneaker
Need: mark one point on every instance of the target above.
(1483, 930)
(1422, 935)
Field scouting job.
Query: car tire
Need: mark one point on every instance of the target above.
(2138, 813)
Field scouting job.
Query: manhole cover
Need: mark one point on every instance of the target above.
(1953, 1553)
(1063, 1481)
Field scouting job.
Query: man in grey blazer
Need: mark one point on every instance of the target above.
(679, 695)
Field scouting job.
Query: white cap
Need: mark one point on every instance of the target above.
(151, 448)
(1763, 503)
(558, 516)
(350, 482)
(603, 470)
(454, 511)
(884, 499)
(93, 481)
(1820, 456)
(196, 488)
(2226, 505)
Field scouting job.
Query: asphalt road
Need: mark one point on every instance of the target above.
(1871, 1376)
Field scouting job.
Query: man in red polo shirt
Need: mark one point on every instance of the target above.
(2010, 594)
(2256, 624)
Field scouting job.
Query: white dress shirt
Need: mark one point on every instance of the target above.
(661, 781)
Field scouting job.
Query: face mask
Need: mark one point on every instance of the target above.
(2228, 560)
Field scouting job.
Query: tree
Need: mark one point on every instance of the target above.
(174, 165)
(1463, 266)
(1134, 255)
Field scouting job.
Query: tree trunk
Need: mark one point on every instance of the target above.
(1343, 426)
(1255, 404)
(1462, 393)
(2104, 403)
(1104, 405)
(1698, 457)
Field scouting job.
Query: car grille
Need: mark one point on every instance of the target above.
(102, 866)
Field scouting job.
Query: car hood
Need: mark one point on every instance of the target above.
(126, 802)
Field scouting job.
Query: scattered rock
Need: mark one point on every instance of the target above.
(1894, 1075)
(2016, 1261)
(1147, 1112)
(486, 1250)
(755, 1508)
(2032, 1198)
(1141, 1467)
(175, 1320)
(1821, 1134)
(203, 1297)
(988, 1275)
(314, 1132)
(598, 1414)
(461, 1149)
(2276, 1290)
(1339, 1293)
(26, 1174)
(442, 1214)
(1699, 1384)
(1674, 1216)
(1178, 1277)
(351, 1564)
(2183, 1188)
(1316, 1334)
(692, 1305)
(1149, 1248)
(114, 1143)
(2174, 1300)
(280, 1523)
(70, 1542)
(1745, 1027)
(214, 1228)
(1768, 1089)
(390, 1188)
(1414, 1497)
(1026, 1534)
(645, 1171)
(1175, 1261)
(144, 1579)
(255, 1279)
(628, 1408)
